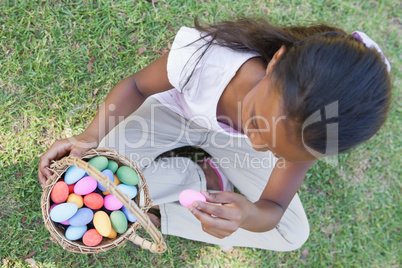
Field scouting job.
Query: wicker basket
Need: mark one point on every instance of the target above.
(142, 199)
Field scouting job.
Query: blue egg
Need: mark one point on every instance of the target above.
(63, 212)
(75, 232)
(129, 190)
(130, 217)
(73, 174)
(110, 175)
(82, 217)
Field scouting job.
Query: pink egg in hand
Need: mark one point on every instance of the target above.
(189, 196)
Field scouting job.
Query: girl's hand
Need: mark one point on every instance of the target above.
(74, 146)
(222, 220)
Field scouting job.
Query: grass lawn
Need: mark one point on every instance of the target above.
(58, 61)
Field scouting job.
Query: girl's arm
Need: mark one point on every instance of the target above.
(277, 195)
(238, 212)
(128, 95)
(123, 100)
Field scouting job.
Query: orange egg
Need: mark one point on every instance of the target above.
(59, 192)
(113, 234)
(92, 238)
(76, 199)
(93, 201)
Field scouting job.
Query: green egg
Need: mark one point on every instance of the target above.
(112, 165)
(127, 175)
(99, 162)
(119, 221)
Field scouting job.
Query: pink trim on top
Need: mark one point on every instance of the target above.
(216, 171)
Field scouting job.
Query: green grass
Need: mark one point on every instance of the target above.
(47, 93)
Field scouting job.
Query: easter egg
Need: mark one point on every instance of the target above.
(71, 188)
(130, 217)
(59, 192)
(129, 190)
(113, 234)
(102, 223)
(111, 202)
(82, 217)
(93, 201)
(116, 182)
(119, 221)
(75, 232)
(73, 174)
(63, 212)
(127, 175)
(112, 165)
(66, 222)
(99, 162)
(108, 173)
(76, 199)
(92, 238)
(85, 186)
(187, 197)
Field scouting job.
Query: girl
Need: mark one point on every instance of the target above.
(264, 101)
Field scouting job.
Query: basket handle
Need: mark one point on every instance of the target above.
(159, 245)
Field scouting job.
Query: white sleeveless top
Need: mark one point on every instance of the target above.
(198, 99)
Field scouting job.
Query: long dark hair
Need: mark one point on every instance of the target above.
(322, 66)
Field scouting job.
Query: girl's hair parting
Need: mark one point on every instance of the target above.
(323, 68)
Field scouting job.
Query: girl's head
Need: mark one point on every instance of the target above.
(334, 91)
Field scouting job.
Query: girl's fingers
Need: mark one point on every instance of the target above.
(224, 212)
(217, 227)
(225, 197)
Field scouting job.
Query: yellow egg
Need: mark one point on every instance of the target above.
(113, 234)
(76, 199)
(116, 182)
(102, 223)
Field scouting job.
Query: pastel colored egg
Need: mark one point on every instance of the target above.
(63, 212)
(59, 192)
(85, 186)
(92, 238)
(66, 222)
(76, 199)
(189, 196)
(99, 162)
(75, 232)
(112, 165)
(102, 223)
(127, 175)
(73, 174)
(119, 221)
(93, 201)
(108, 173)
(130, 217)
(71, 188)
(113, 234)
(63, 222)
(129, 190)
(116, 182)
(82, 217)
(111, 202)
